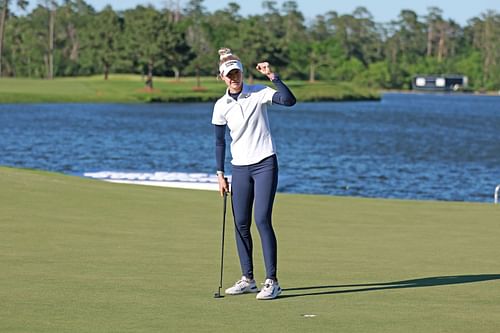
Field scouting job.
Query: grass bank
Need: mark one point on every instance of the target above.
(130, 89)
(80, 255)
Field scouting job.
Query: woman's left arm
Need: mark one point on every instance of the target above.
(284, 95)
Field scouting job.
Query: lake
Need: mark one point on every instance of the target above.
(406, 146)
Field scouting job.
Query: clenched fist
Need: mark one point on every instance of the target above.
(264, 68)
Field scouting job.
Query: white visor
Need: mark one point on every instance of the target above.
(228, 66)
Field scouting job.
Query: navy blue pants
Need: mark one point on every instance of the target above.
(255, 186)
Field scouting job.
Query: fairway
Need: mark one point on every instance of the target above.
(122, 88)
(79, 255)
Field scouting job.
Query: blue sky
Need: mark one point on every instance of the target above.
(382, 10)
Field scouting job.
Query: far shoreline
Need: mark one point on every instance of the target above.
(430, 92)
(131, 89)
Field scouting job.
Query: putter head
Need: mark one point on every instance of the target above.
(218, 295)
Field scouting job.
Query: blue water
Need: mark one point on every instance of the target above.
(433, 147)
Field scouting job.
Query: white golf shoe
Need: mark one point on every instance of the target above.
(242, 286)
(271, 290)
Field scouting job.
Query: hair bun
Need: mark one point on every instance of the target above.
(224, 53)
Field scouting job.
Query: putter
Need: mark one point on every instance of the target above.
(217, 294)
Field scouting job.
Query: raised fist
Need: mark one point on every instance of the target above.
(264, 68)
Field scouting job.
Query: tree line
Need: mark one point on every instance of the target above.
(71, 38)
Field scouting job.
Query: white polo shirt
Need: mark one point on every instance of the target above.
(248, 123)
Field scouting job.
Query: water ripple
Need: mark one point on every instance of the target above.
(439, 147)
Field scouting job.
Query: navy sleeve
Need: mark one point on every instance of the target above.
(220, 146)
(283, 96)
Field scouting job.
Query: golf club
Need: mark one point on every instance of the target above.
(217, 294)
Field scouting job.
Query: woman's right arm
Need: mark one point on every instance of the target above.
(220, 156)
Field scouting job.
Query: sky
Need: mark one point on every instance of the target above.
(382, 10)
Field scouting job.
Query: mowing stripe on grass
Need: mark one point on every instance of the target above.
(80, 255)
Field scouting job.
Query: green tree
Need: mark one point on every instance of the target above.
(269, 43)
(434, 15)
(257, 46)
(13, 50)
(357, 33)
(293, 19)
(75, 18)
(42, 28)
(295, 43)
(411, 35)
(317, 55)
(51, 6)
(324, 56)
(377, 75)
(491, 47)
(443, 37)
(197, 38)
(223, 27)
(148, 35)
(4, 15)
(177, 54)
(349, 69)
(104, 38)
(472, 65)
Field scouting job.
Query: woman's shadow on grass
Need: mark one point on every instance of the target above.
(414, 283)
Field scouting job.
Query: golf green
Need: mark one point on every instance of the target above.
(79, 255)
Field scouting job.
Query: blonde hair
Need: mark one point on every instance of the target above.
(225, 54)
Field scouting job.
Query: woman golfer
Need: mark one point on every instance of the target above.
(254, 165)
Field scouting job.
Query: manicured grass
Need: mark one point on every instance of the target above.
(130, 89)
(79, 255)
